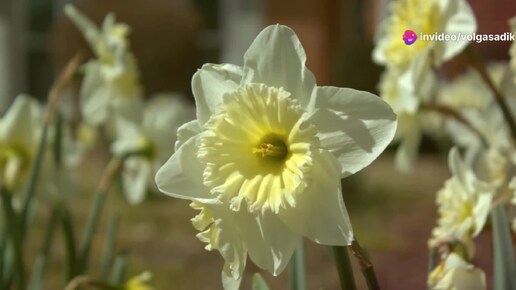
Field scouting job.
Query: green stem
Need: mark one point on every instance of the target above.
(69, 240)
(38, 274)
(33, 179)
(366, 266)
(91, 228)
(341, 256)
(297, 269)
(107, 255)
(119, 268)
(112, 170)
(478, 64)
(504, 261)
(13, 228)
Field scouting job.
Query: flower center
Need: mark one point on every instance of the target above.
(257, 149)
(421, 16)
(272, 149)
(14, 162)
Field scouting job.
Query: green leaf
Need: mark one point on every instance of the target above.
(504, 272)
(69, 239)
(107, 255)
(33, 180)
(38, 273)
(119, 268)
(297, 269)
(13, 229)
(259, 283)
(90, 230)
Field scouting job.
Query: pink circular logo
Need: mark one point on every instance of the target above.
(409, 37)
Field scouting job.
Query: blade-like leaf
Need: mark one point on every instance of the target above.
(297, 269)
(504, 272)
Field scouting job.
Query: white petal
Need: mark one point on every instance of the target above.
(355, 126)
(481, 211)
(86, 26)
(229, 243)
(320, 213)
(269, 242)
(128, 107)
(162, 118)
(210, 83)
(409, 134)
(135, 179)
(94, 95)
(21, 122)
(128, 136)
(228, 282)
(277, 58)
(459, 20)
(457, 166)
(182, 175)
(187, 131)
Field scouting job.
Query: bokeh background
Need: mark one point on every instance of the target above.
(392, 213)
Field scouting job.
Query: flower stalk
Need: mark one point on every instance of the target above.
(13, 229)
(365, 265)
(341, 256)
(110, 173)
(55, 92)
(297, 269)
(477, 63)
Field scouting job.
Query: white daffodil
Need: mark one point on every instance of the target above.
(463, 204)
(451, 17)
(111, 81)
(20, 130)
(268, 150)
(150, 143)
(456, 274)
(411, 122)
(469, 96)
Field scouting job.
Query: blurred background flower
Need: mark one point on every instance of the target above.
(170, 40)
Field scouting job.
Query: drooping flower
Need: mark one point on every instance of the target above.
(150, 143)
(264, 159)
(456, 274)
(20, 129)
(412, 123)
(463, 204)
(408, 80)
(111, 81)
(468, 95)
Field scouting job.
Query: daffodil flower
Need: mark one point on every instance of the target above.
(456, 274)
(463, 204)
(408, 80)
(451, 17)
(149, 144)
(264, 159)
(20, 129)
(111, 81)
(411, 122)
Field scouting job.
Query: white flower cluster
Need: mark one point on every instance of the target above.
(473, 111)
(111, 97)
